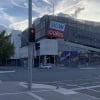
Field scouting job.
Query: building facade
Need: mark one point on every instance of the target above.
(65, 41)
(15, 39)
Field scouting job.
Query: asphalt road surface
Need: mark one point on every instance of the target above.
(82, 80)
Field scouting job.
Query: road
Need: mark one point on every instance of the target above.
(83, 80)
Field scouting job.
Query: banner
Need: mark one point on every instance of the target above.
(56, 29)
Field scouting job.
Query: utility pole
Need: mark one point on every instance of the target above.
(30, 47)
(53, 6)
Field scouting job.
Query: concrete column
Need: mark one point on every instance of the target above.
(45, 60)
(39, 61)
(54, 60)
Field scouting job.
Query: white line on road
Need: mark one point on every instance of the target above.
(62, 81)
(12, 93)
(94, 90)
(89, 87)
(1, 72)
(65, 91)
(89, 83)
(68, 84)
(39, 86)
(50, 87)
(93, 97)
(88, 68)
(35, 96)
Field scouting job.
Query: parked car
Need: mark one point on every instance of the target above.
(47, 66)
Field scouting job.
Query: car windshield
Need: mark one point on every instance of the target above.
(50, 49)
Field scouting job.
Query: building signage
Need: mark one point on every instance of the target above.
(56, 29)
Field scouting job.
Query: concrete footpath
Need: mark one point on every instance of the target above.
(19, 91)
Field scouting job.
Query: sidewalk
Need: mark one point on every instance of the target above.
(19, 91)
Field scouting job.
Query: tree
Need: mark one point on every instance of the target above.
(6, 48)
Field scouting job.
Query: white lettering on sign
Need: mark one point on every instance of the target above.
(57, 26)
(56, 33)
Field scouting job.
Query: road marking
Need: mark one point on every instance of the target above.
(1, 72)
(50, 87)
(94, 90)
(35, 91)
(50, 82)
(35, 96)
(65, 91)
(88, 68)
(89, 83)
(12, 93)
(67, 84)
(90, 96)
(68, 80)
(39, 86)
(89, 87)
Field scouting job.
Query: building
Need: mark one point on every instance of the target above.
(64, 40)
(15, 39)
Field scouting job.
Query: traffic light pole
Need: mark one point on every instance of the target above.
(30, 48)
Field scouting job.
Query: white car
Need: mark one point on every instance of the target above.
(47, 66)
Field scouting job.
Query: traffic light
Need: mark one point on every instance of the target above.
(37, 46)
(31, 35)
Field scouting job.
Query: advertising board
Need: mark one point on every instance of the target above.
(56, 29)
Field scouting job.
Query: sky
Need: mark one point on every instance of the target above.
(14, 13)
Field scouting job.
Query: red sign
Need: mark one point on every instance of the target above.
(56, 33)
(56, 29)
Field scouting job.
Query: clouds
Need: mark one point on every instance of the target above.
(89, 8)
(5, 3)
(17, 10)
(48, 2)
(22, 25)
(6, 18)
(19, 3)
(10, 14)
(68, 6)
(91, 11)
(41, 8)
